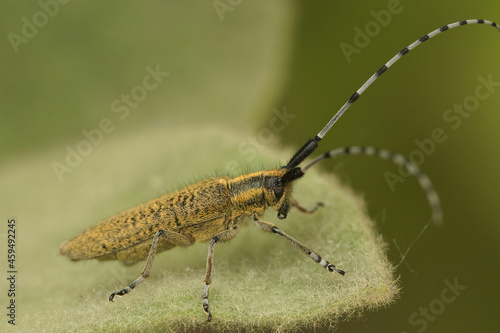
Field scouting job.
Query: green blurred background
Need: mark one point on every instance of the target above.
(233, 68)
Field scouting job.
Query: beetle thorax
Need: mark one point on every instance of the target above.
(254, 192)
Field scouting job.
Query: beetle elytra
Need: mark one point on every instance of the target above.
(213, 210)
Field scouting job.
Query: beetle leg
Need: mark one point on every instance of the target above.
(172, 237)
(221, 237)
(305, 210)
(269, 227)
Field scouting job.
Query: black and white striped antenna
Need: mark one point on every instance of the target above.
(312, 144)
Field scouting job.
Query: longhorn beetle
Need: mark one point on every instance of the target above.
(214, 209)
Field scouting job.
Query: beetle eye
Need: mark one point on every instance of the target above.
(278, 188)
(278, 193)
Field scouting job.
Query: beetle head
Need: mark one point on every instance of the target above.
(278, 189)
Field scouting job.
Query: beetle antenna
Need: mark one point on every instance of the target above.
(312, 144)
(397, 159)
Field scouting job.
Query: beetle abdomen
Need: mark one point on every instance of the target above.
(195, 204)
